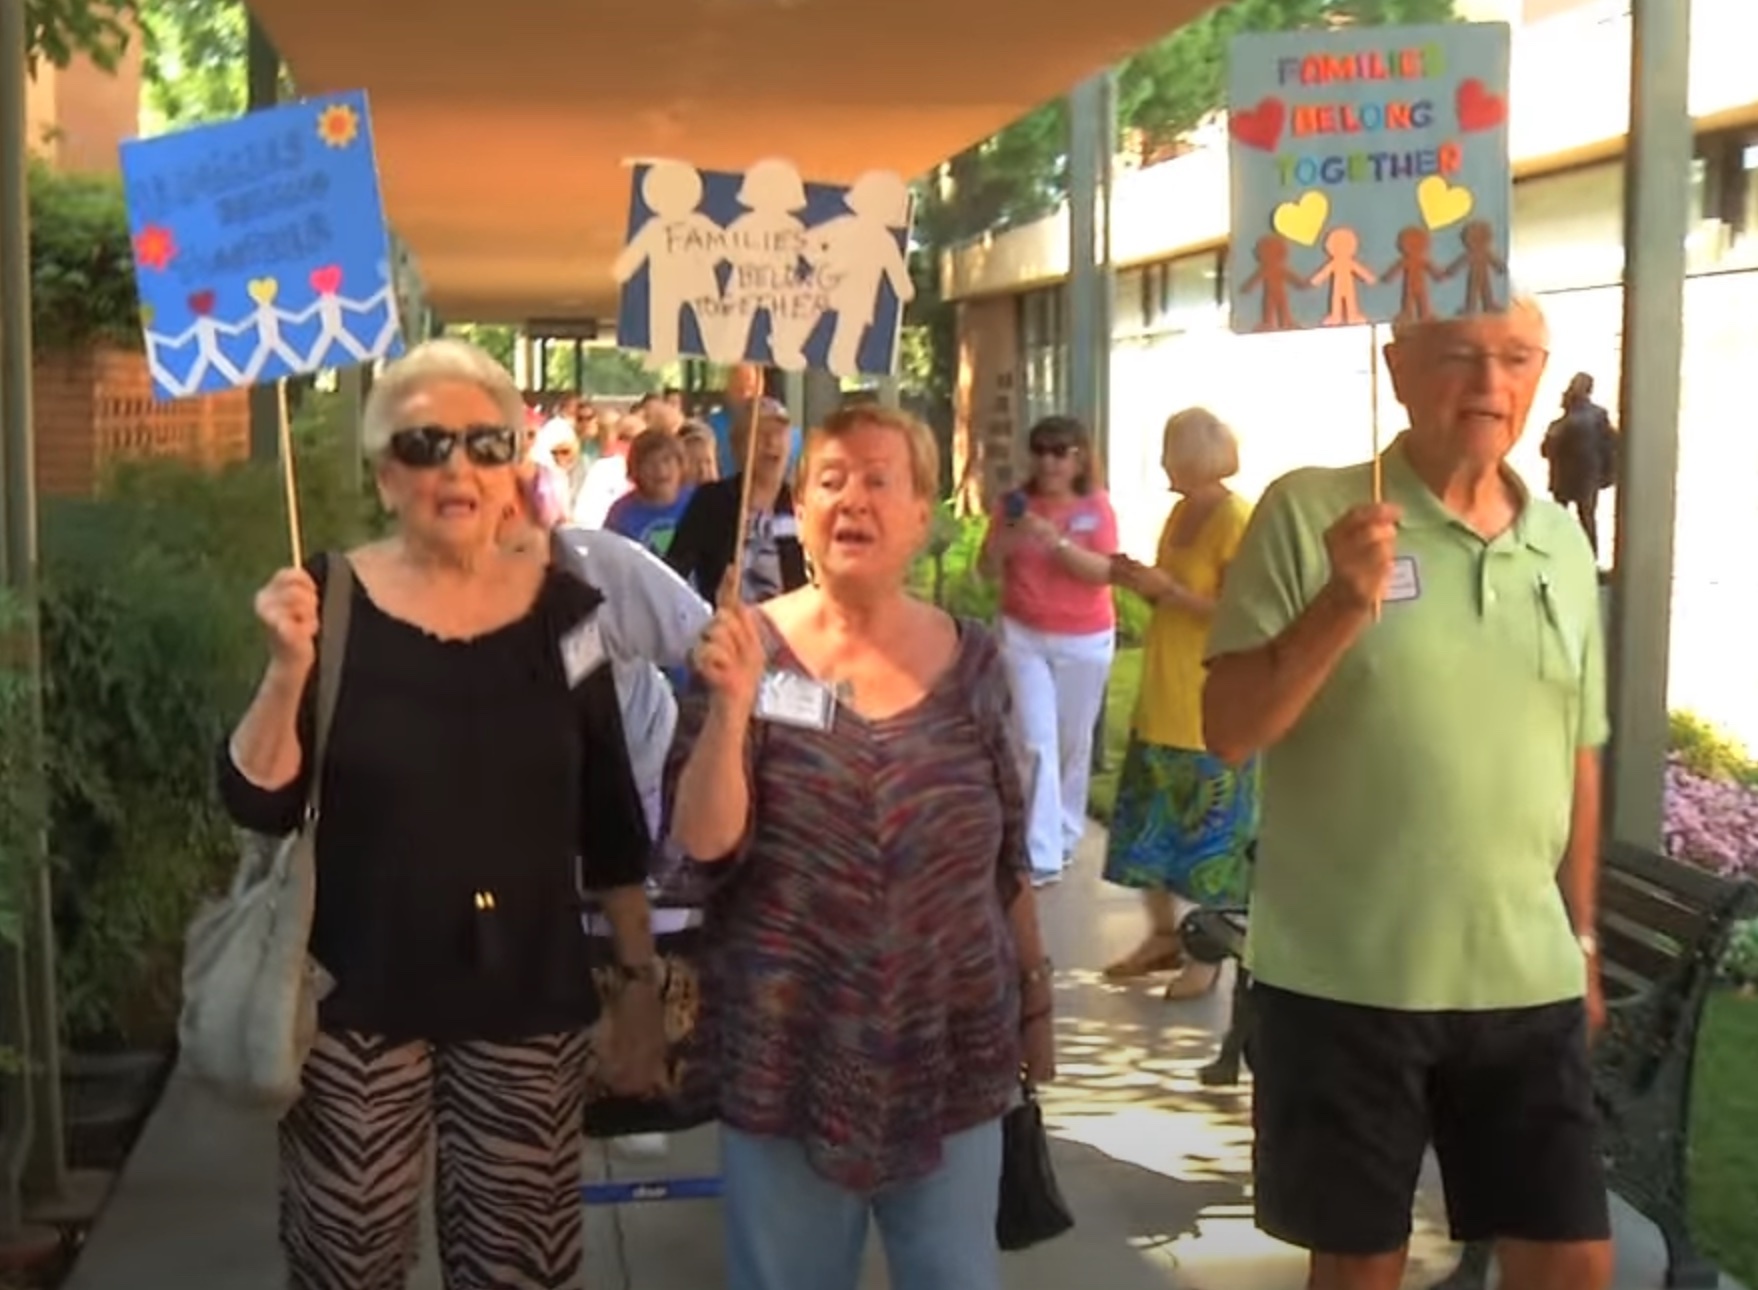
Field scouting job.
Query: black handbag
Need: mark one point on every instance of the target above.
(1032, 1210)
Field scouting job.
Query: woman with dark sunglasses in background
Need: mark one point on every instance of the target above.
(476, 751)
(1050, 543)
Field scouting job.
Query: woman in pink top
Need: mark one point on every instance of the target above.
(1051, 544)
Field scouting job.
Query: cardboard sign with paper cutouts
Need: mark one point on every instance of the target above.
(761, 266)
(260, 247)
(1370, 175)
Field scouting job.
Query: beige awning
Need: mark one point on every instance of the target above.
(504, 126)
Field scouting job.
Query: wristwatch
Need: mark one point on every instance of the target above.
(1062, 543)
(1589, 944)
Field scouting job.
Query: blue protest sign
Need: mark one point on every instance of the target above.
(1370, 176)
(761, 266)
(260, 248)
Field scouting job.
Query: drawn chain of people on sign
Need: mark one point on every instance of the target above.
(1370, 175)
(763, 267)
(260, 247)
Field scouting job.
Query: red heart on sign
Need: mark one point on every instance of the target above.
(1259, 127)
(327, 280)
(1478, 108)
(201, 303)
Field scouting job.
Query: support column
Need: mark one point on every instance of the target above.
(263, 90)
(1657, 186)
(820, 395)
(1092, 143)
(1092, 146)
(35, 1155)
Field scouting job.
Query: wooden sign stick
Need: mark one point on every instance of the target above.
(288, 477)
(739, 539)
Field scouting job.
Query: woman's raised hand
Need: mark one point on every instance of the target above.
(730, 655)
(287, 608)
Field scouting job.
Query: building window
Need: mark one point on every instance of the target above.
(1043, 343)
(1176, 295)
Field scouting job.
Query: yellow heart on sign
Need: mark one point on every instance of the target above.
(263, 290)
(1302, 221)
(1442, 204)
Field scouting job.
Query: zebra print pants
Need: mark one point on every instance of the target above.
(504, 1124)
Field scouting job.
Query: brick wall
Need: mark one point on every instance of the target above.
(94, 407)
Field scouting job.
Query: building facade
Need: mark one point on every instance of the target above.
(1304, 398)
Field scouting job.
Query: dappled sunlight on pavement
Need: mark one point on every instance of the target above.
(1161, 1162)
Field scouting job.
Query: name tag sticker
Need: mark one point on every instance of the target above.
(789, 699)
(582, 651)
(1405, 584)
(1084, 524)
(785, 526)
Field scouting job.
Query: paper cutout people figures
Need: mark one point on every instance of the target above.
(1343, 271)
(1415, 270)
(769, 274)
(268, 320)
(1276, 279)
(853, 254)
(1481, 264)
(333, 327)
(206, 333)
(680, 247)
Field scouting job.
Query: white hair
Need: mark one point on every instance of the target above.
(1201, 446)
(1519, 302)
(446, 358)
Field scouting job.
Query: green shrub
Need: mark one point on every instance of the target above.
(82, 261)
(1740, 964)
(947, 572)
(150, 652)
(1133, 614)
(21, 781)
(1707, 751)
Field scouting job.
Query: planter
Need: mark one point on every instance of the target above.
(95, 406)
(107, 1097)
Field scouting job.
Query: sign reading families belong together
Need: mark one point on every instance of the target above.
(260, 247)
(763, 267)
(1370, 175)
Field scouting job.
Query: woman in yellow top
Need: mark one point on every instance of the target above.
(1184, 819)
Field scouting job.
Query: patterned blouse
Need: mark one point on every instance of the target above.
(860, 978)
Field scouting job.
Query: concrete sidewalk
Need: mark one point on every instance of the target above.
(1155, 1166)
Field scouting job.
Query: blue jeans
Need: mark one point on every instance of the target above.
(790, 1228)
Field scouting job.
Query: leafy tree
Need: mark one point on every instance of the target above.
(57, 30)
(197, 53)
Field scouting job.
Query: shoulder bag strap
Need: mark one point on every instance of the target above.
(332, 644)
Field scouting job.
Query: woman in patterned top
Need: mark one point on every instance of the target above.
(875, 975)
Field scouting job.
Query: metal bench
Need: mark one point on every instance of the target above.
(1663, 928)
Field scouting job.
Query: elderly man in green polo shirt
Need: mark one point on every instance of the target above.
(1425, 681)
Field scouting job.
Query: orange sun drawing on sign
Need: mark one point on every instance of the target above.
(154, 247)
(338, 125)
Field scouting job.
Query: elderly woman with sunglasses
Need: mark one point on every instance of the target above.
(476, 755)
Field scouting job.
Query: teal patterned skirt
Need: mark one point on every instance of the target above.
(1183, 823)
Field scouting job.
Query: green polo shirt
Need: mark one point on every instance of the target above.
(1415, 817)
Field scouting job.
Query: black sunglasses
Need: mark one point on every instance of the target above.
(1056, 450)
(425, 447)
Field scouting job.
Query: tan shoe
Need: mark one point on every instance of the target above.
(1194, 982)
(1161, 952)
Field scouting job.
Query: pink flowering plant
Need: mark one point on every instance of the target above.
(1712, 818)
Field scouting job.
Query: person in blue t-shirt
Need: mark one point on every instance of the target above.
(743, 384)
(648, 513)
